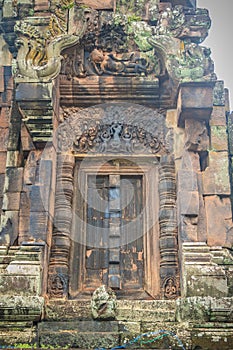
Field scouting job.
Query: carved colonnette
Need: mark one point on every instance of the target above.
(59, 259)
(169, 272)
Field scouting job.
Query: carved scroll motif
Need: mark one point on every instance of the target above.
(117, 128)
(117, 138)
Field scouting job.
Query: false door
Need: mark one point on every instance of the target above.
(115, 233)
(114, 242)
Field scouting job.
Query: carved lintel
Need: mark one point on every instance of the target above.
(117, 137)
(117, 128)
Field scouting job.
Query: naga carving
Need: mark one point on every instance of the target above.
(135, 39)
(39, 50)
(191, 62)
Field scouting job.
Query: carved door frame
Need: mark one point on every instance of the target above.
(142, 121)
(148, 169)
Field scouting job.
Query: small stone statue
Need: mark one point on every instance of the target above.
(103, 303)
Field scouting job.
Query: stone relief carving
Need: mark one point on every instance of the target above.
(171, 21)
(125, 42)
(58, 285)
(122, 128)
(219, 93)
(39, 57)
(115, 64)
(103, 303)
(192, 64)
(170, 288)
(73, 64)
(117, 137)
(184, 23)
(196, 136)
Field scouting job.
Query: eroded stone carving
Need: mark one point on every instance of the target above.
(192, 64)
(103, 303)
(171, 21)
(219, 93)
(170, 288)
(197, 138)
(57, 287)
(39, 50)
(184, 23)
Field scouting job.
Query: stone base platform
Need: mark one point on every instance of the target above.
(195, 323)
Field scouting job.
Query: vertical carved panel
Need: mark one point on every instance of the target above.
(168, 228)
(58, 268)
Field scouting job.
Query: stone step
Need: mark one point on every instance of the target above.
(92, 334)
(79, 334)
(136, 310)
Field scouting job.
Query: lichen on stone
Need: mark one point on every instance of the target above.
(103, 303)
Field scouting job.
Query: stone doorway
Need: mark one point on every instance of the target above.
(115, 236)
(114, 140)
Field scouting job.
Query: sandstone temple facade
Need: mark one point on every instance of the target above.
(116, 177)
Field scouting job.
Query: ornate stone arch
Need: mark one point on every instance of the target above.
(113, 131)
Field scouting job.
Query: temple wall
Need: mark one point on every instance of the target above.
(143, 101)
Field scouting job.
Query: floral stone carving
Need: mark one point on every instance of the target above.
(117, 137)
(122, 128)
(103, 303)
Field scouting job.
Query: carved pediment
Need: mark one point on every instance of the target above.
(122, 41)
